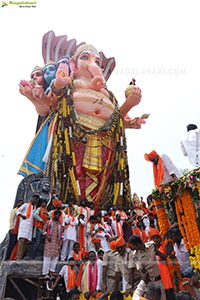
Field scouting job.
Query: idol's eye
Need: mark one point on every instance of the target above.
(84, 57)
(52, 69)
(32, 76)
(98, 63)
(38, 74)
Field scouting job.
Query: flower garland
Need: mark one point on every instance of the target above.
(191, 229)
(172, 261)
(169, 191)
(184, 193)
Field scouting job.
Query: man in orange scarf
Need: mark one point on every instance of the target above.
(77, 254)
(69, 239)
(93, 275)
(117, 225)
(69, 274)
(163, 168)
(90, 232)
(102, 233)
(154, 235)
(26, 224)
(41, 217)
(53, 232)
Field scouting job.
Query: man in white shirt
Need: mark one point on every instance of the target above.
(92, 279)
(164, 169)
(149, 292)
(117, 225)
(26, 213)
(90, 232)
(191, 145)
(182, 254)
(65, 274)
(71, 223)
(102, 233)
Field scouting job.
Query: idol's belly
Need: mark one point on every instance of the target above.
(93, 104)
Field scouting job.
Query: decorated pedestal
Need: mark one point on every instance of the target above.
(179, 202)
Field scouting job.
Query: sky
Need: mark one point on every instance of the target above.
(156, 42)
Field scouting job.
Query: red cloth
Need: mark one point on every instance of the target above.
(106, 218)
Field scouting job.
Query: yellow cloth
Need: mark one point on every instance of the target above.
(92, 159)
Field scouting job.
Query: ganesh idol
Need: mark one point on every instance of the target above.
(83, 147)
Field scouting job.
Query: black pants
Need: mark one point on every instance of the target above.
(170, 294)
(11, 244)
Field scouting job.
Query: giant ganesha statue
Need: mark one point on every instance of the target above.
(81, 143)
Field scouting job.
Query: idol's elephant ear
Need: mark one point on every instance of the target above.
(108, 65)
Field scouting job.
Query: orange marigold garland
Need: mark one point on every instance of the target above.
(164, 225)
(191, 229)
(179, 213)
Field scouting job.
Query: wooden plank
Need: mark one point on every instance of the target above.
(17, 288)
(31, 282)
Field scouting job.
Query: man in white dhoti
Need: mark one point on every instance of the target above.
(25, 224)
(90, 232)
(101, 231)
(71, 223)
(92, 279)
(191, 145)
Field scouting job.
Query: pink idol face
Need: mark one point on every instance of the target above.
(38, 77)
(88, 60)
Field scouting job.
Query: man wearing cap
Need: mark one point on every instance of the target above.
(26, 213)
(163, 168)
(109, 260)
(144, 259)
(191, 145)
(124, 266)
(154, 235)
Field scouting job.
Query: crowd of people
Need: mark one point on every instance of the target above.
(105, 250)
